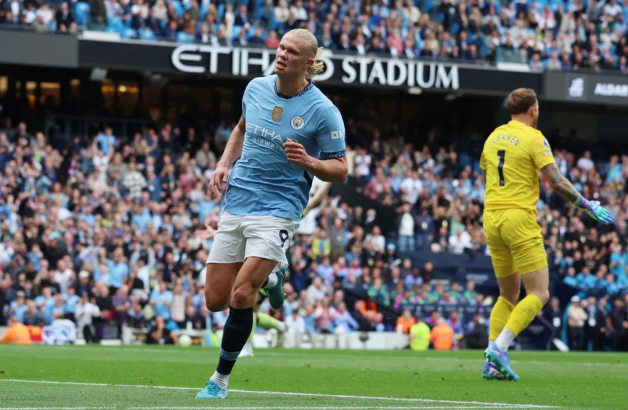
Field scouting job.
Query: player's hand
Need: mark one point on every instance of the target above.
(296, 153)
(218, 182)
(598, 213)
(206, 233)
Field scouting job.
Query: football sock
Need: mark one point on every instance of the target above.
(523, 314)
(271, 281)
(255, 319)
(235, 334)
(499, 317)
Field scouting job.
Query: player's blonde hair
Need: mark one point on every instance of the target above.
(520, 100)
(310, 39)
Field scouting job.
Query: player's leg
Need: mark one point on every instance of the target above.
(509, 288)
(219, 283)
(276, 294)
(247, 350)
(224, 262)
(266, 241)
(526, 245)
(537, 289)
(237, 330)
(508, 280)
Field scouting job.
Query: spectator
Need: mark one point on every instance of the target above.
(405, 322)
(576, 317)
(295, 323)
(162, 332)
(442, 336)
(17, 333)
(85, 314)
(419, 336)
(325, 315)
(121, 304)
(177, 308)
(617, 323)
(344, 322)
(476, 334)
(406, 229)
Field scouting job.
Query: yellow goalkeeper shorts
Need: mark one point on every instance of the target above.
(515, 242)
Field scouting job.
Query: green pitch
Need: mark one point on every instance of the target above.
(167, 378)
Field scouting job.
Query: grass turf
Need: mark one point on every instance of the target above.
(427, 380)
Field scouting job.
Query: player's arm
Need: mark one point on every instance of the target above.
(566, 190)
(233, 150)
(329, 170)
(332, 165)
(541, 153)
(559, 183)
(318, 197)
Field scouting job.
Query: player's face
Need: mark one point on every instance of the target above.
(293, 56)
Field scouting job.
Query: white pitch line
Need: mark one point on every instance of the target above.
(335, 396)
(308, 408)
(57, 408)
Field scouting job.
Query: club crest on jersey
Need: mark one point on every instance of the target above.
(277, 113)
(297, 122)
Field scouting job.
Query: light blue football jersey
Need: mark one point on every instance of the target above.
(263, 182)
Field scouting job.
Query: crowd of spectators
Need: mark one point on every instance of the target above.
(105, 232)
(546, 34)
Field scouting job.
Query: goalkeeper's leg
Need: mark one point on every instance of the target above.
(537, 287)
(508, 295)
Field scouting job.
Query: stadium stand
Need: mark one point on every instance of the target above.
(545, 34)
(104, 235)
(100, 231)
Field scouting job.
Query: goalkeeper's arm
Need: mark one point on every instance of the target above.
(560, 184)
(317, 198)
(565, 189)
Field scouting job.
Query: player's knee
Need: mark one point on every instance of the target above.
(243, 297)
(511, 295)
(216, 303)
(543, 294)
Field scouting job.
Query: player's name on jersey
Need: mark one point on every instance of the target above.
(201, 59)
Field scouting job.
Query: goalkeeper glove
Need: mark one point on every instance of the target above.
(595, 210)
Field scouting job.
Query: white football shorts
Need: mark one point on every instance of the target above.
(240, 237)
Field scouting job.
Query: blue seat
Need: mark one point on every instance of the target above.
(203, 11)
(148, 35)
(178, 8)
(258, 10)
(236, 31)
(184, 38)
(129, 33)
(221, 11)
(82, 13)
(116, 23)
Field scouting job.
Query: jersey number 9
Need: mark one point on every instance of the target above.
(501, 154)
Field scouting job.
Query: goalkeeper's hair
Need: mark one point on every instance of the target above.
(521, 100)
(310, 39)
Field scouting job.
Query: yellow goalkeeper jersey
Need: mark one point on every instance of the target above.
(512, 156)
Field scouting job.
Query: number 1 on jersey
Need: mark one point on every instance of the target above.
(501, 154)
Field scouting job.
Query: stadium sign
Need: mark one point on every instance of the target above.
(27, 48)
(586, 88)
(348, 70)
(353, 70)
